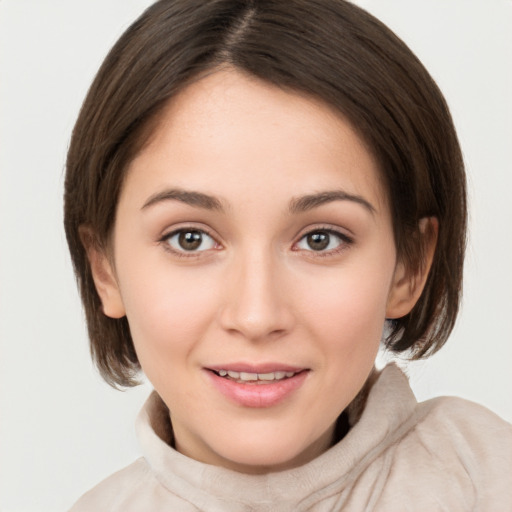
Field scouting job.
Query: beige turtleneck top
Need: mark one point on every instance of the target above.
(445, 454)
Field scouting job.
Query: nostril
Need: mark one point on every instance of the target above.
(254, 302)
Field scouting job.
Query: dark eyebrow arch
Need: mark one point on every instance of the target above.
(305, 203)
(185, 196)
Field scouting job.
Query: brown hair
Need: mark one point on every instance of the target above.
(329, 49)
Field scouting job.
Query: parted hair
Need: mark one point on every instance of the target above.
(329, 49)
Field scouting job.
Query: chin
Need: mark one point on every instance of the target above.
(263, 455)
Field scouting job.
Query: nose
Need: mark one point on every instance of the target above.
(257, 302)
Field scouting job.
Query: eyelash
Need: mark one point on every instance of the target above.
(345, 242)
(183, 253)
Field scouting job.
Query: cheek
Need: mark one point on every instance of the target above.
(168, 311)
(349, 307)
(346, 322)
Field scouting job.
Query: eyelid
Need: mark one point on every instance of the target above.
(346, 239)
(344, 233)
(163, 239)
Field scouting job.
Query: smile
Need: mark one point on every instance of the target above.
(255, 378)
(257, 386)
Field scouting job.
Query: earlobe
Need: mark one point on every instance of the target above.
(103, 275)
(407, 286)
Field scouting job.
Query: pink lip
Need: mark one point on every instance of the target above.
(256, 368)
(258, 395)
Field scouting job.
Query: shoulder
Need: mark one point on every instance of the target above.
(464, 443)
(116, 490)
(132, 489)
(469, 427)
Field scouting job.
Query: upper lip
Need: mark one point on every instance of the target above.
(256, 368)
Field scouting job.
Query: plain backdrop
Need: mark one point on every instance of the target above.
(62, 429)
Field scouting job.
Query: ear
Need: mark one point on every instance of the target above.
(103, 274)
(407, 286)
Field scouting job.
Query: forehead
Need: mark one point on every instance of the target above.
(229, 127)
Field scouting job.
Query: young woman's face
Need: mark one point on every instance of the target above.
(254, 259)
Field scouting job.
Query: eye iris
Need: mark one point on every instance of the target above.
(190, 240)
(318, 241)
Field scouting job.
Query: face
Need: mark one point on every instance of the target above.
(253, 256)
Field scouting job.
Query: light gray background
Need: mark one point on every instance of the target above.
(62, 429)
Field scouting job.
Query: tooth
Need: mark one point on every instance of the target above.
(248, 376)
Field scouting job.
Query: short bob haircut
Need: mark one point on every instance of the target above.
(327, 49)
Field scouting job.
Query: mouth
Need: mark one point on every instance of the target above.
(256, 378)
(257, 386)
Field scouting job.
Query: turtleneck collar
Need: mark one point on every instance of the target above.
(377, 420)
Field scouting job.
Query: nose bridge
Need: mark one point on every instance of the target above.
(256, 304)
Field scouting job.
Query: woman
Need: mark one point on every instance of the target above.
(255, 191)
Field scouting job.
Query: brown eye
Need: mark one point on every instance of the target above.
(323, 240)
(190, 240)
(318, 241)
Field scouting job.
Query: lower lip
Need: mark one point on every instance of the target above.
(258, 395)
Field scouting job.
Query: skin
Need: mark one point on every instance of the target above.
(255, 290)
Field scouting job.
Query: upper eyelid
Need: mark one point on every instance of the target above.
(164, 239)
(167, 235)
(346, 241)
(188, 227)
(345, 234)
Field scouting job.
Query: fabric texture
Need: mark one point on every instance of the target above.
(445, 454)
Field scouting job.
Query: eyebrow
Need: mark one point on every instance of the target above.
(297, 205)
(305, 203)
(188, 197)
